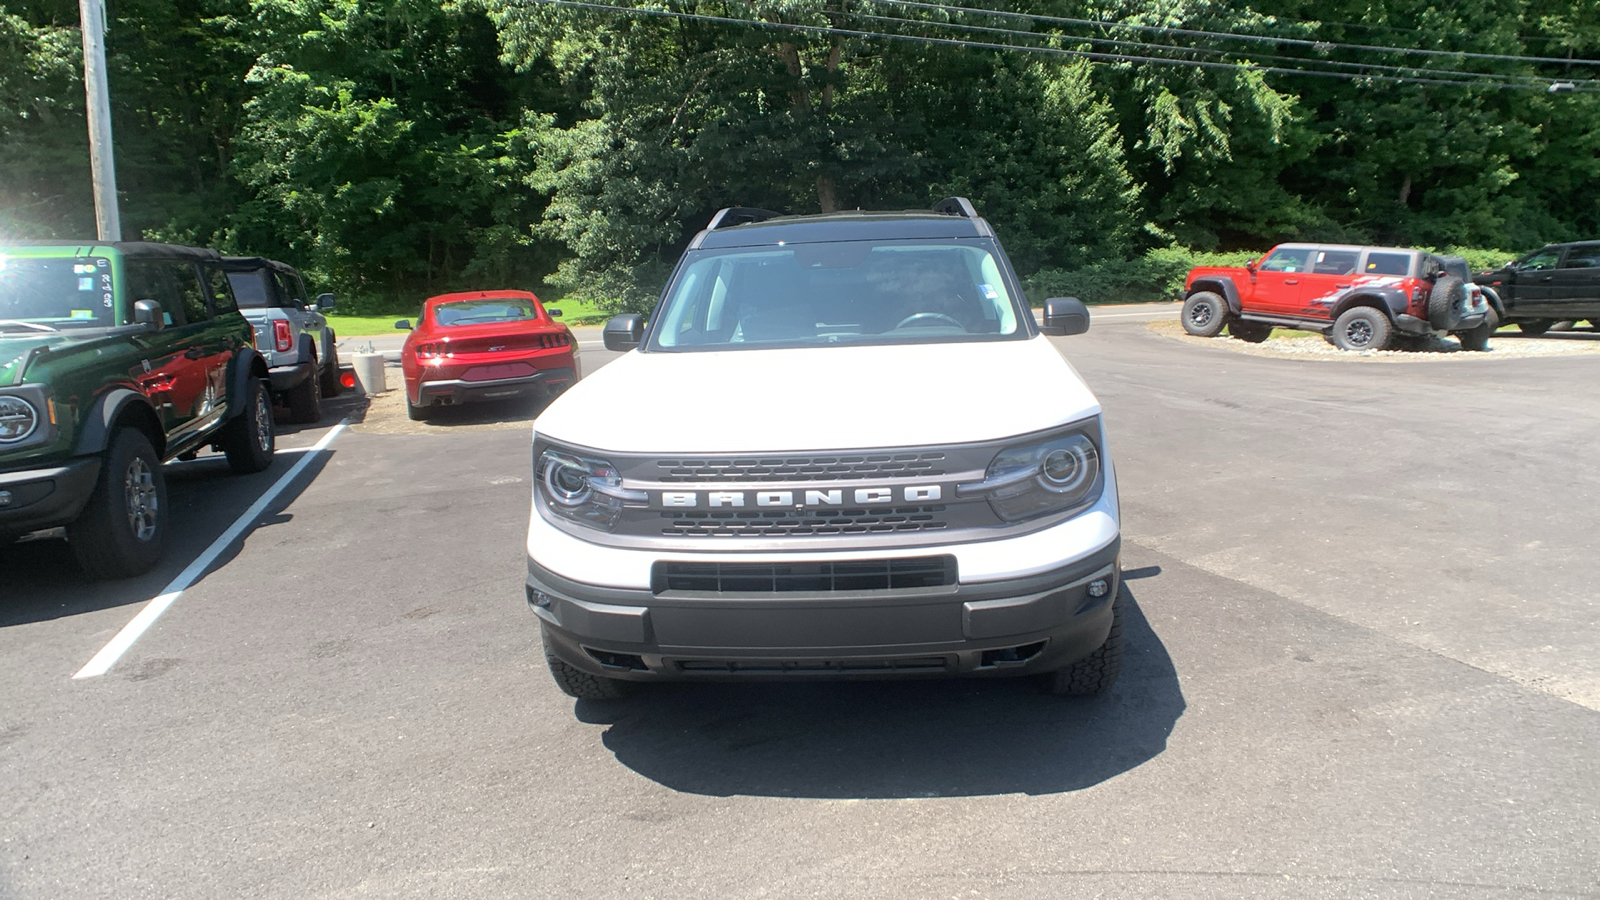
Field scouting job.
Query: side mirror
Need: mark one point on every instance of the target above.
(554, 313)
(148, 312)
(623, 333)
(1063, 316)
(403, 324)
(1251, 265)
(325, 302)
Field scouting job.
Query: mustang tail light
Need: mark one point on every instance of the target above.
(432, 349)
(282, 336)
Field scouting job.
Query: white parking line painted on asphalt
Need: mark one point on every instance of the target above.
(131, 632)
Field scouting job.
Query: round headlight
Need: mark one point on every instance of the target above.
(567, 481)
(18, 419)
(1064, 468)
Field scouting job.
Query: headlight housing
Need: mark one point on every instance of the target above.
(19, 419)
(1053, 475)
(581, 488)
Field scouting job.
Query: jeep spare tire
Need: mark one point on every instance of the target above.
(1446, 302)
(1361, 328)
(1204, 314)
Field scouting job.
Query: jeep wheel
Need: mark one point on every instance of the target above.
(574, 682)
(1535, 327)
(1094, 673)
(1204, 314)
(1361, 328)
(248, 440)
(330, 370)
(305, 399)
(1253, 332)
(123, 529)
(1446, 302)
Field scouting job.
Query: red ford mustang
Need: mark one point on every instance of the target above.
(485, 345)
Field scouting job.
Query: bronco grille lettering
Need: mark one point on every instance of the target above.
(792, 499)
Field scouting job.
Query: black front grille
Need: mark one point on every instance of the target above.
(780, 522)
(818, 577)
(815, 666)
(801, 468)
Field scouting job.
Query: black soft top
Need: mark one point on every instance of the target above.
(251, 263)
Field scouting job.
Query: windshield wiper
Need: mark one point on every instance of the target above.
(36, 326)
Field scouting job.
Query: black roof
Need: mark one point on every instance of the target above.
(749, 227)
(248, 263)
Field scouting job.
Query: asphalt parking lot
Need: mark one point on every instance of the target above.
(1364, 661)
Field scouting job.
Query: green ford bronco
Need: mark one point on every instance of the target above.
(115, 357)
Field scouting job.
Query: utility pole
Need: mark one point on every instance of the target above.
(92, 15)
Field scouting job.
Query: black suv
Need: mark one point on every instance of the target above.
(1558, 282)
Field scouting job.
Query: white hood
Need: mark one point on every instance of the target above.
(824, 398)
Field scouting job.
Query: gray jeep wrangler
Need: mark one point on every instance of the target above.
(291, 332)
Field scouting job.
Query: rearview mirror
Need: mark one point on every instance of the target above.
(325, 302)
(148, 312)
(1063, 316)
(403, 324)
(623, 333)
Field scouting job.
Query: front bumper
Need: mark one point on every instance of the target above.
(546, 383)
(1027, 624)
(34, 499)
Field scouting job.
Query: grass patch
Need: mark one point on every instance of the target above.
(573, 312)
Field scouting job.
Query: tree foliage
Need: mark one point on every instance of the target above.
(398, 147)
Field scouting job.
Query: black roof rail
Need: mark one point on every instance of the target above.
(740, 215)
(956, 206)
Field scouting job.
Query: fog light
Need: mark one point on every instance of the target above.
(539, 598)
(1099, 587)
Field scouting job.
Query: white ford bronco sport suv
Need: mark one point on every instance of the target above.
(841, 447)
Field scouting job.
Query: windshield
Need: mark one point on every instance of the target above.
(857, 292)
(479, 312)
(51, 294)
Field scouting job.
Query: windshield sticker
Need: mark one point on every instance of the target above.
(989, 291)
(85, 284)
(83, 314)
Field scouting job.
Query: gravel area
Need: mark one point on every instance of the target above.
(386, 413)
(1504, 345)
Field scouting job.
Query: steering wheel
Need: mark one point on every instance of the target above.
(929, 318)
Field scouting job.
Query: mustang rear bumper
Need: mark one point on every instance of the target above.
(542, 383)
(1017, 626)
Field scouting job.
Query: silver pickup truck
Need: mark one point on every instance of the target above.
(291, 332)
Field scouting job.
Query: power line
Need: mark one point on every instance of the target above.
(1228, 35)
(1207, 51)
(1046, 51)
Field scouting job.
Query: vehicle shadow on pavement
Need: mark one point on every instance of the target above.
(42, 581)
(872, 740)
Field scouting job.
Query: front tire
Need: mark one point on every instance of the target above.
(576, 683)
(330, 371)
(305, 399)
(1361, 328)
(1535, 327)
(122, 531)
(249, 440)
(1204, 314)
(1094, 673)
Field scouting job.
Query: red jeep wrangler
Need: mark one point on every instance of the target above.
(1361, 298)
